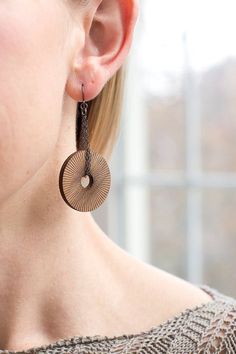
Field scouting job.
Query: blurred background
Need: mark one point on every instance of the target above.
(172, 201)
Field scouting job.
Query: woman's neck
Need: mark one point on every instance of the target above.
(58, 272)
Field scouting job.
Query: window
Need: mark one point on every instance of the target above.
(173, 196)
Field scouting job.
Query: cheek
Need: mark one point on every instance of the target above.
(32, 78)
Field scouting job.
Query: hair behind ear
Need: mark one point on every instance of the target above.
(104, 115)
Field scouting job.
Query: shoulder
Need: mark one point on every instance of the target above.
(206, 329)
(166, 298)
(183, 317)
(164, 295)
(219, 336)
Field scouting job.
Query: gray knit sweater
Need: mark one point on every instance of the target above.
(206, 328)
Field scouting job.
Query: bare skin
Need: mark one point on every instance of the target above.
(60, 274)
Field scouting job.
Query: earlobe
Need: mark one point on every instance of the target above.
(89, 74)
(107, 43)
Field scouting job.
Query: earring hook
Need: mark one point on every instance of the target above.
(82, 89)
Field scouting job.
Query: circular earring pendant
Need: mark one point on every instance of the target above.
(84, 192)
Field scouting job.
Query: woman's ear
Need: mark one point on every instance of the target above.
(107, 28)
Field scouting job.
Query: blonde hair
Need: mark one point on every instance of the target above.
(104, 115)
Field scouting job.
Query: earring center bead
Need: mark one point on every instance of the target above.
(85, 181)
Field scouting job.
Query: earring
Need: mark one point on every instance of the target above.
(84, 179)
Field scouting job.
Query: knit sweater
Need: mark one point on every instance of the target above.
(204, 329)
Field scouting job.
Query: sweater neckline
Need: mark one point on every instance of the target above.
(75, 340)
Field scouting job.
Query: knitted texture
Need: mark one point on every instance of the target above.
(204, 329)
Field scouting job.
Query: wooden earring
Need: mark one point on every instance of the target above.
(84, 179)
